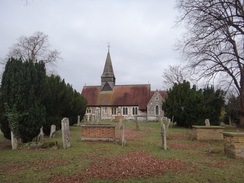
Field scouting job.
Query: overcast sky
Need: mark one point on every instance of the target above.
(141, 35)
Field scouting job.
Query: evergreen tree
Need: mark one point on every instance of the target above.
(212, 104)
(22, 94)
(62, 101)
(232, 110)
(190, 107)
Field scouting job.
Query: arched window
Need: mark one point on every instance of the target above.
(156, 110)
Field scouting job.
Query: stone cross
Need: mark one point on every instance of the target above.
(163, 133)
(207, 123)
(78, 120)
(14, 141)
(65, 133)
(52, 131)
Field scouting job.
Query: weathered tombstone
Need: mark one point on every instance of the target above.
(92, 119)
(65, 133)
(123, 134)
(163, 133)
(97, 116)
(41, 134)
(168, 123)
(137, 126)
(207, 123)
(78, 120)
(14, 141)
(120, 124)
(52, 131)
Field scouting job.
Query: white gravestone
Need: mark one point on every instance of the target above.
(78, 121)
(52, 131)
(65, 133)
(207, 123)
(163, 133)
(41, 134)
(14, 141)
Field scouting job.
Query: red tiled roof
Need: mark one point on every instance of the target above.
(123, 95)
(164, 94)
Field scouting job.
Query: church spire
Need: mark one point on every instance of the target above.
(108, 77)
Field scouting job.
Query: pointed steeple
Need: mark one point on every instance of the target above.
(108, 78)
(108, 68)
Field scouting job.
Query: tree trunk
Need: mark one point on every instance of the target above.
(242, 110)
(242, 99)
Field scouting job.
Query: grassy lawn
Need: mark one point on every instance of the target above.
(140, 160)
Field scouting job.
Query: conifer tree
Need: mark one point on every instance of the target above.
(22, 94)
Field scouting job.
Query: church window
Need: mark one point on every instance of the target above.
(157, 110)
(134, 111)
(88, 110)
(93, 110)
(114, 110)
(125, 111)
(105, 110)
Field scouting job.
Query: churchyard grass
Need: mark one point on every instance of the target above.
(188, 161)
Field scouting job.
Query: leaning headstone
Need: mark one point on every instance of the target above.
(65, 133)
(41, 134)
(207, 123)
(163, 133)
(123, 134)
(52, 131)
(78, 121)
(14, 141)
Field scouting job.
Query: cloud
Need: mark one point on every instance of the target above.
(140, 34)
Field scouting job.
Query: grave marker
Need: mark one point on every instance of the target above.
(65, 133)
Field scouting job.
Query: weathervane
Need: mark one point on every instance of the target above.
(108, 46)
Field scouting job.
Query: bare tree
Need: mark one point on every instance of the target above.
(214, 42)
(177, 74)
(35, 48)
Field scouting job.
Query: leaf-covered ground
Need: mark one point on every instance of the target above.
(140, 160)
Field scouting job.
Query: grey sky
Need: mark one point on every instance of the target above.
(140, 33)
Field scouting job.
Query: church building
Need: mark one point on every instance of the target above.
(130, 102)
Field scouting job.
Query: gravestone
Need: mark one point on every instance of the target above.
(14, 141)
(163, 133)
(123, 134)
(168, 123)
(120, 124)
(41, 134)
(52, 131)
(207, 123)
(136, 121)
(78, 120)
(97, 116)
(65, 133)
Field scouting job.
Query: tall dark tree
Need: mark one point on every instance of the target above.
(232, 110)
(190, 106)
(212, 104)
(22, 95)
(183, 103)
(61, 101)
(214, 41)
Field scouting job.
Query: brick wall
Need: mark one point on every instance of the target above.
(234, 144)
(97, 132)
(208, 132)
